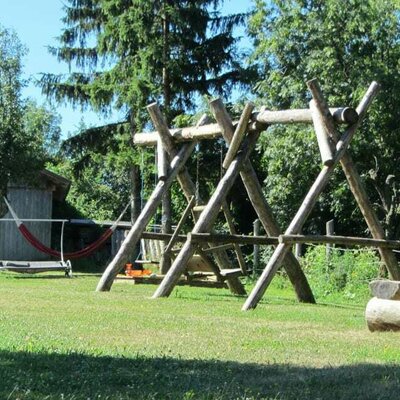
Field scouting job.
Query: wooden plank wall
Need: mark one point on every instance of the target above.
(28, 203)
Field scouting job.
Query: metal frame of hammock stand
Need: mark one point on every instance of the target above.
(33, 267)
(77, 254)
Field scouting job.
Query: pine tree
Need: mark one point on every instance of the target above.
(129, 52)
(124, 54)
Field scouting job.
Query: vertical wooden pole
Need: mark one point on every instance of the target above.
(330, 231)
(207, 217)
(298, 251)
(232, 231)
(133, 237)
(262, 208)
(256, 248)
(308, 203)
(163, 170)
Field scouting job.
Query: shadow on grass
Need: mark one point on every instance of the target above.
(32, 276)
(26, 375)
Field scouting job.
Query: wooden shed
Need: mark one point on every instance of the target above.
(31, 202)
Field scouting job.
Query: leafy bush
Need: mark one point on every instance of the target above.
(344, 272)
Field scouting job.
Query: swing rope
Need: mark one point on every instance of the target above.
(86, 251)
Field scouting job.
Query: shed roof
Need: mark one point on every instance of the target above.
(61, 184)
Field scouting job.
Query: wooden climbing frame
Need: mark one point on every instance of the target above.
(241, 136)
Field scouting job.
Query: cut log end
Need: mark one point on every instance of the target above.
(385, 289)
(383, 315)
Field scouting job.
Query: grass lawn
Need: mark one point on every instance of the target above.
(61, 340)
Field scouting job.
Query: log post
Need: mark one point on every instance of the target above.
(256, 248)
(166, 210)
(262, 208)
(232, 231)
(207, 217)
(239, 134)
(323, 139)
(355, 182)
(330, 231)
(308, 203)
(119, 261)
(298, 250)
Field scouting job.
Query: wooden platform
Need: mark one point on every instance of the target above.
(204, 280)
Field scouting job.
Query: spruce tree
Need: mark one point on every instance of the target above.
(124, 54)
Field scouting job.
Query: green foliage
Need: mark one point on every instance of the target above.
(28, 132)
(126, 54)
(343, 272)
(346, 45)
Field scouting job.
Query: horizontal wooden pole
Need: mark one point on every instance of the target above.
(163, 236)
(340, 240)
(341, 115)
(220, 247)
(239, 239)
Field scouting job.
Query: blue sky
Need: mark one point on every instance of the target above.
(37, 24)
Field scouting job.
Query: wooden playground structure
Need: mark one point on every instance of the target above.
(241, 136)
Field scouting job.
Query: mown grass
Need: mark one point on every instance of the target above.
(61, 340)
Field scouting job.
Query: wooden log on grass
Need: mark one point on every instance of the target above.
(308, 203)
(133, 237)
(207, 217)
(385, 289)
(262, 208)
(383, 315)
(355, 183)
(344, 115)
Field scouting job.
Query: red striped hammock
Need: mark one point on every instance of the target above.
(86, 251)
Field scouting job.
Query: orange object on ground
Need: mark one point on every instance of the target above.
(136, 272)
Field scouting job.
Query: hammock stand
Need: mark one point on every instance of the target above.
(65, 265)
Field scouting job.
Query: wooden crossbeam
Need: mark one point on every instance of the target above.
(308, 203)
(340, 240)
(260, 120)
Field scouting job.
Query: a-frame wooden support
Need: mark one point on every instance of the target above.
(262, 208)
(312, 196)
(207, 217)
(189, 189)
